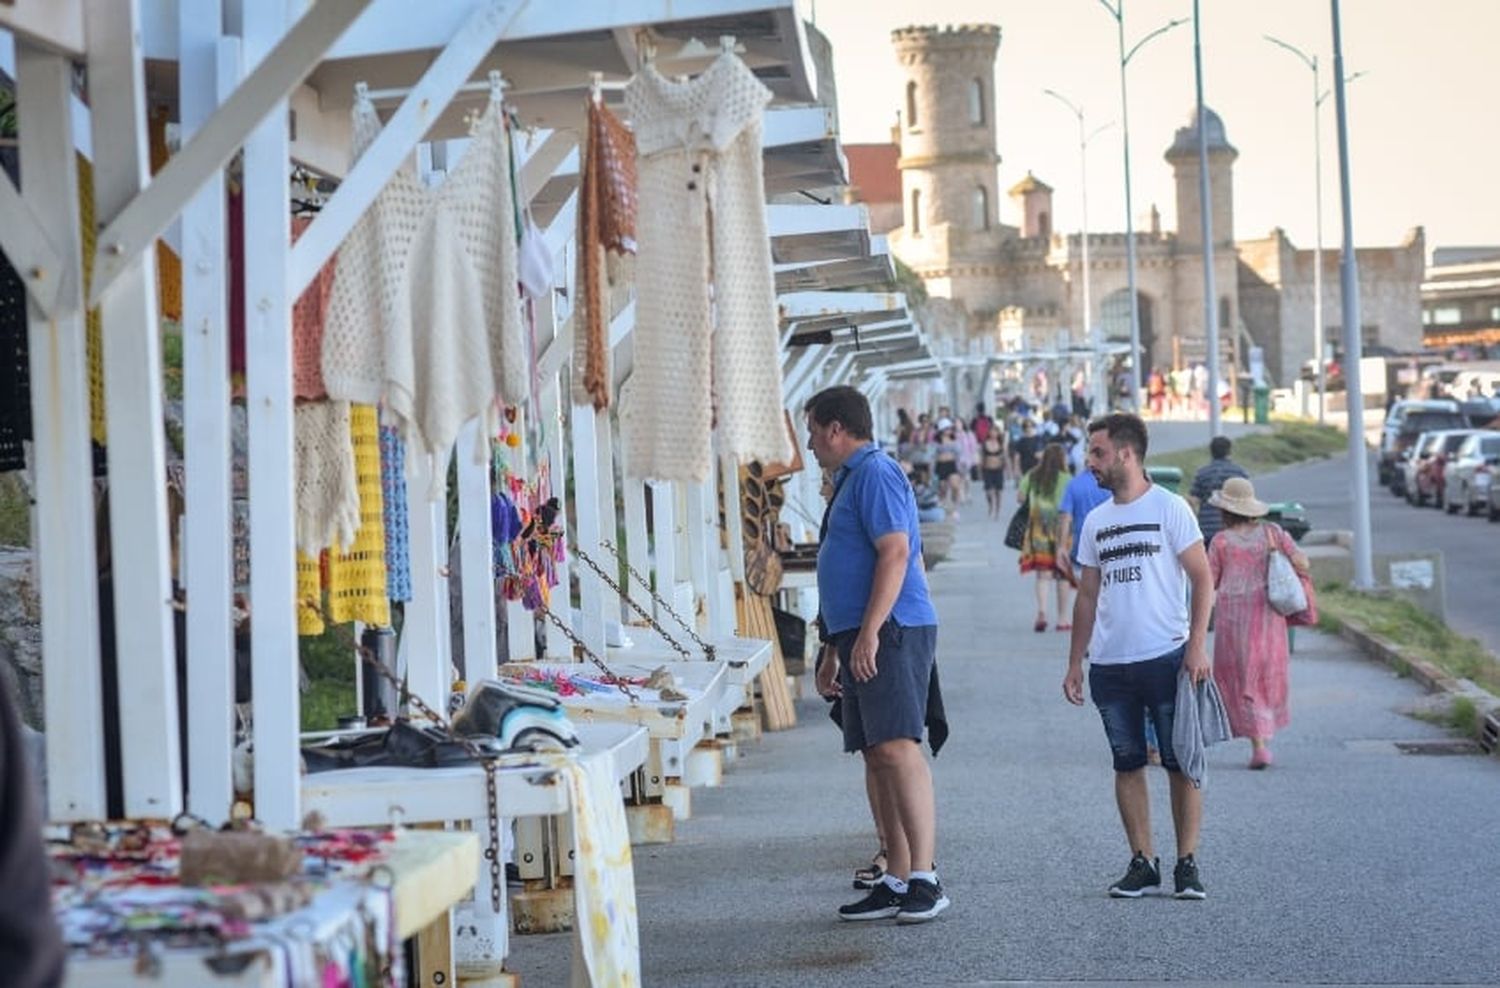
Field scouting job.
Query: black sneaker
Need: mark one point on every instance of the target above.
(923, 901)
(1185, 877)
(1140, 876)
(883, 902)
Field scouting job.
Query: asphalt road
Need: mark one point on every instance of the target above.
(1346, 863)
(1470, 546)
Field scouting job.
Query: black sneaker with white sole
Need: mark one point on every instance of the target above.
(1139, 877)
(923, 901)
(883, 902)
(1185, 879)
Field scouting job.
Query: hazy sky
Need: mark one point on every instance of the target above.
(1423, 135)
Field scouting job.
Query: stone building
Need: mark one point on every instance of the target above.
(1023, 286)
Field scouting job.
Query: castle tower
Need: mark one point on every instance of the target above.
(1183, 157)
(947, 127)
(1035, 199)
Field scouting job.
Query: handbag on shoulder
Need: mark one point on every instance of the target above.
(1015, 532)
(1284, 590)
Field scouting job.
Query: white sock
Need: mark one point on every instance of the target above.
(926, 876)
(894, 884)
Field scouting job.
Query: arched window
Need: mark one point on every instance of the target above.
(914, 221)
(911, 106)
(981, 208)
(976, 102)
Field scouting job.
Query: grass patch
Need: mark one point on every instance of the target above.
(328, 660)
(15, 511)
(1412, 629)
(1288, 442)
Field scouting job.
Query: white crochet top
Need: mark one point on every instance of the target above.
(702, 360)
(425, 310)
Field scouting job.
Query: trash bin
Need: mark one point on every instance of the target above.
(1262, 404)
(1168, 477)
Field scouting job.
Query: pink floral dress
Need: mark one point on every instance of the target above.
(1250, 639)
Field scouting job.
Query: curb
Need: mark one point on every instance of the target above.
(1434, 679)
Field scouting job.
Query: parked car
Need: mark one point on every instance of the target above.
(1432, 473)
(1494, 511)
(1471, 472)
(1480, 411)
(1409, 467)
(1404, 423)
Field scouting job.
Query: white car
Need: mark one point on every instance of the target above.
(1471, 473)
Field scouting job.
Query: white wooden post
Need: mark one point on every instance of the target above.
(475, 550)
(701, 527)
(609, 529)
(590, 627)
(62, 468)
(734, 521)
(208, 68)
(268, 407)
(144, 646)
(664, 544)
(637, 548)
(422, 634)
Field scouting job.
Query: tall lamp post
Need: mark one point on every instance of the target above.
(1319, 95)
(1090, 325)
(1116, 10)
(1206, 226)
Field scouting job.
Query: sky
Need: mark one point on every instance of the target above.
(1424, 144)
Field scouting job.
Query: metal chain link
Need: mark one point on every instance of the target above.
(486, 759)
(708, 650)
(580, 645)
(603, 575)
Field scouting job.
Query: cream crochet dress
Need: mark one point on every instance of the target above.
(701, 227)
(425, 312)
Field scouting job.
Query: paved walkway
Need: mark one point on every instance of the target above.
(1347, 863)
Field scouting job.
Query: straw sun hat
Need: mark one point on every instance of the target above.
(1238, 496)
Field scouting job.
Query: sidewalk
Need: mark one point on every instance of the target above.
(1348, 862)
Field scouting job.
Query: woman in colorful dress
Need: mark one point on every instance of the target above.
(1250, 637)
(1043, 488)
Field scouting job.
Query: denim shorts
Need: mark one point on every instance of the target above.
(894, 703)
(1126, 694)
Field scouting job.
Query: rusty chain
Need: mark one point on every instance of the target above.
(579, 645)
(708, 650)
(676, 646)
(487, 759)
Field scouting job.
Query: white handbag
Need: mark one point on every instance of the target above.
(1283, 586)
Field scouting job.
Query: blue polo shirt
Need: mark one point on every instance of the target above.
(873, 498)
(1082, 495)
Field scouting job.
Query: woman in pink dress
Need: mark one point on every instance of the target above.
(1250, 638)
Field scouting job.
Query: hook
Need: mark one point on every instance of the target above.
(497, 85)
(596, 86)
(362, 93)
(727, 44)
(645, 47)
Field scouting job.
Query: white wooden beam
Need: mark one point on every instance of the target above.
(476, 553)
(135, 223)
(26, 243)
(422, 632)
(664, 544)
(812, 305)
(703, 548)
(432, 93)
(46, 24)
(207, 73)
(144, 644)
(544, 160)
(586, 534)
(268, 408)
(788, 220)
(62, 468)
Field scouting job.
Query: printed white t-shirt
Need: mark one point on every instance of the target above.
(1142, 610)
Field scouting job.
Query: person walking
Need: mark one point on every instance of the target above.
(31, 944)
(1026, 450)
(1139, 551)
(879, 616)
(1209, 478)
(1250, 637)
(1082, 495)
(992, 470)
(1044, 543)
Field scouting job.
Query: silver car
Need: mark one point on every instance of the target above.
(1470, 473)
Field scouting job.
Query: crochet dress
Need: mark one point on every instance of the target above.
(425, 310)
(701, 227)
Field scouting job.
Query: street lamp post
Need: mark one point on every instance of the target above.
(1206, 227)
(1319, 95)
(1090, 325)
(1116, 10)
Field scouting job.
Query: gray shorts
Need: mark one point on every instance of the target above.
(894, 703)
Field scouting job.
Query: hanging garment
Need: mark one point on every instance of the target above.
(425, 311)
(606, 222)
(15, 360)
(701, 224)
(356, 577)
(93, 330)
(168, 264)
(393, 497)
(327, 494)
(307, 325)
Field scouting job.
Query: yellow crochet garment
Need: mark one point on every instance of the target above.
(91, 321)
(356, 578)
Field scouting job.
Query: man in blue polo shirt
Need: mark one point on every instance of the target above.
(877, 612)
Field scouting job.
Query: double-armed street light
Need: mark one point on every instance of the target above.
(1116, 10)
(1090, 325)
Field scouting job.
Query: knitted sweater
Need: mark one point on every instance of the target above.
(424, 310)
(699, 152)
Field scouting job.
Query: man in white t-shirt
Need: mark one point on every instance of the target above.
(1139, 551)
